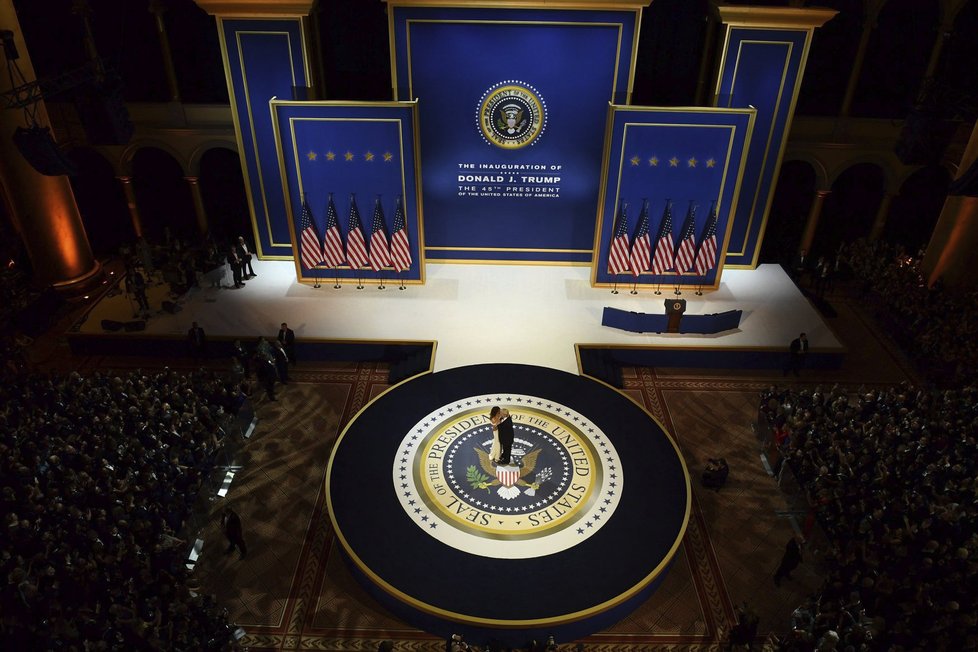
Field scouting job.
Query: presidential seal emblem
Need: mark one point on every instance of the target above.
(512, 114)
(561, 485)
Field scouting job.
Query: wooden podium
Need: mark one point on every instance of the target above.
(674, 310)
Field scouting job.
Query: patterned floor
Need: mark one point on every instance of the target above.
(293, 591)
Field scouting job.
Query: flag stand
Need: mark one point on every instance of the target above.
(614, 290)
(316, 285)
(359, 283)
(634, 291)
(381, 286)
(658, 288)
(337, 285)
(699, 290)
(402, 284)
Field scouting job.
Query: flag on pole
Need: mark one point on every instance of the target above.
(687, 242)
(618, 253)
(332, 241)
(310, 248)
(706, 257)
(640, 258)
(662, 261)
(400, 249)
(356, 246)
(380, 253)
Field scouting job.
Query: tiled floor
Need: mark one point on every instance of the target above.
(293, 591)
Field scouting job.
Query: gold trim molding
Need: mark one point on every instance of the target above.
(256, 8)
(524, 4)
(802, 18)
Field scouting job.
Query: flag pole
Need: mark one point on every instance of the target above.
(359, 281)
(658, 288)
(402, 283)
(316, 285)
(614, 290)
(336, 280)
(634, 291)
(381, 286)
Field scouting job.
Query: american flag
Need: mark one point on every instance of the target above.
(706, 257)
(333, 241)
(400, 249)
(310, 248)
(687, 242)
(618, 254)
(380, 253)
(356, 246)
(640, 258)
(662, 261)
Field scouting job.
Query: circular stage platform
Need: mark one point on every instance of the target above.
(566, 539)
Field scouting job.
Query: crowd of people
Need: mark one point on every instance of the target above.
(891, 475)
(937, 325)
(98, 474)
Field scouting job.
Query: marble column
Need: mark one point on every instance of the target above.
(811, 225)
(127, 189)
(950, 254)
(157, 8)
(199, 209)
(884, 211)
(43, 208)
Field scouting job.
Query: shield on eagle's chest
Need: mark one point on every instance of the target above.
(508, 475)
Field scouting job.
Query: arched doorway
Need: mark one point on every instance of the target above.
(101, 202)
(850, 209)
(789, 209)
(163, 196)
(915, 210)
(223, 190)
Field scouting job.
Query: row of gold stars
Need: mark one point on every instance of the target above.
(674, 162)
(350, 156)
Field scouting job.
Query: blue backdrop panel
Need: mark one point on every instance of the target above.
(265, 59)
(691, 157)
(762, 68)
(358, 152)
(532, 201)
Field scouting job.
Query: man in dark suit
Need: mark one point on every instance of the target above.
(235, 262)
(503, 423)
(287, 337)
(231, 523)
(197, 341)
(800, 265)
(245, 256)
(796, 354)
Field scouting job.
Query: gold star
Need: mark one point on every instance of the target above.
(654, 161)
(691, 162)
(634, 160)
(330, 156)
(369, 156)
(674, 162)
(312, 156)
(711, 162)
(348, 156)
(387, 157)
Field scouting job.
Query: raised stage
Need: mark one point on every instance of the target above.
(483, 314)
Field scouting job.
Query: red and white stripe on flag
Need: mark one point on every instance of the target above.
(507, 475)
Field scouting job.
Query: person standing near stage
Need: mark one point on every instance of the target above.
(796, 354)
(235, 262)
(789, 561)
(502, 422)
(286, 336)
(245, 256)
(197, 340)
(138, 286)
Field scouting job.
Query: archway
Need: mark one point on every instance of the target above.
(101, 202)
(163, 196)
(849, 211)
(915, 210)
(223, 190)
(789, 208)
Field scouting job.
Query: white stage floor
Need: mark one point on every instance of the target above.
(480, 314)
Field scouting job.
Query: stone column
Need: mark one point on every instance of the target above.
(127, 189)
(43, 208)
(872, 13)
(950, 253)
(199, 210)
(811, 225)
(881, 215)
(157, 8)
